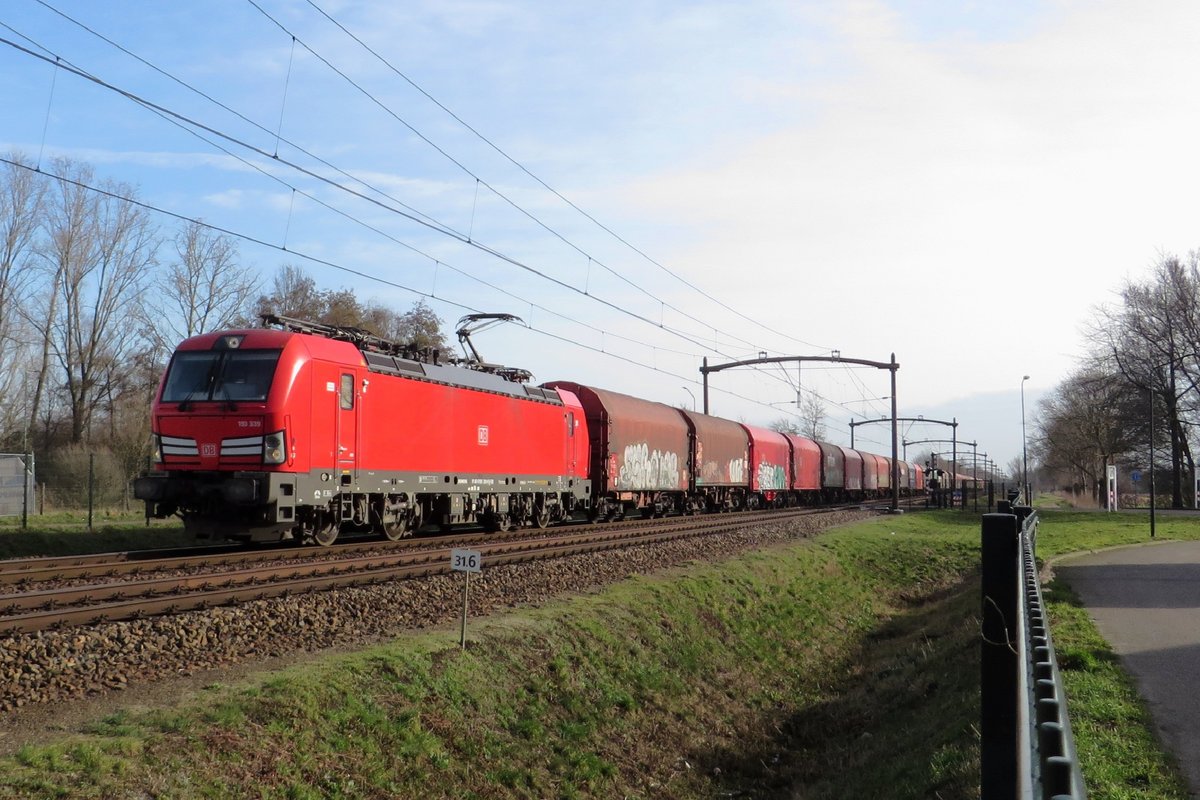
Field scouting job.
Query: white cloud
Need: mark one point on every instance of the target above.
(1000, 187)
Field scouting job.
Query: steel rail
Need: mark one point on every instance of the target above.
(257, 584)
(105, 565)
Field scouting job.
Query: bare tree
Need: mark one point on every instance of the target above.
(1015, 467)
(22, 194)
(204, 288)
(68, 229)
(295, 294)
(1151, 341)
(419, 326)
(812, 417)
(1085, 425)
(102, 247)
(786, 425)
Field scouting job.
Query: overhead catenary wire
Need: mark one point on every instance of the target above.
(350, 270)
(185, 121)
(188, 124)
(465, 238)
(468, 171)
(550, 188)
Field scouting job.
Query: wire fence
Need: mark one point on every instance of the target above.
(86, 482)
(17, 482)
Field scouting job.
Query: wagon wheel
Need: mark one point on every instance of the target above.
(598, 512)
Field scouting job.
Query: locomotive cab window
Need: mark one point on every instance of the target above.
(221, 375)
(346, 393)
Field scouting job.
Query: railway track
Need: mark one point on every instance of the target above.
(138, 585)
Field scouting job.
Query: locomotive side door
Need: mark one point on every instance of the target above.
(347, 425)
(572, 455)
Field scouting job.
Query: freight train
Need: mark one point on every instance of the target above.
(302, 431)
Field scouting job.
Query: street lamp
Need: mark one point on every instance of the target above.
(1150, 391)
(689, 391)
(1024, 450)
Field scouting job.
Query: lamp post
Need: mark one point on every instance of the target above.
(689, 391)
(1151, 393)
(1024, 450)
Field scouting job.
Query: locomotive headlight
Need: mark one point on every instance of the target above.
(274, 448)
(156, 448)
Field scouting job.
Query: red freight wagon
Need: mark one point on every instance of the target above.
(770, 457)
(870, 473)
(806, 464)
(310, 431)
(905, 477)
(918, 477)
(854, 470)
(833, 470)
(721, 452)
(640, 451)
(883, 471)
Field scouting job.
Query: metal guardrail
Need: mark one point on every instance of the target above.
(1027, 750)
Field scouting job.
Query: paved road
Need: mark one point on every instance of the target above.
(1146, 603)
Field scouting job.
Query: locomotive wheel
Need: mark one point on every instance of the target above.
(490, 521)
(325, 534)
(540, 516)
(404, 527)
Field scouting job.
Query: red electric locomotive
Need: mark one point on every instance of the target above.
(308, 430)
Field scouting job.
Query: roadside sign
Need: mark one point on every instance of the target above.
(466, 560)
(1135, 476)
(1111, 479)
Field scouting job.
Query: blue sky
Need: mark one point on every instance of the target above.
(957, 183)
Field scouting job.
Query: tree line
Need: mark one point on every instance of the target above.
(94, 296)
(1143, 365)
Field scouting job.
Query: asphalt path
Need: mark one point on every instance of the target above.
(1146, 602)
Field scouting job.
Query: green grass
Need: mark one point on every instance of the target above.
(65, 533)
(844, 666)
(1064, 532)
(804, 668)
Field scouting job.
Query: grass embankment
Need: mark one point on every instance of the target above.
(844, 666)
(65, 533)
(841, 667)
